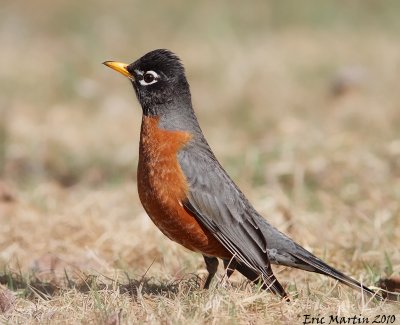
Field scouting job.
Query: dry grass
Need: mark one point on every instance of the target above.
(300, 105)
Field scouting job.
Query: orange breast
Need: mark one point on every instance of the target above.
(162, 187)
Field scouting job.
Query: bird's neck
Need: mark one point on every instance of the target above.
(176, 115)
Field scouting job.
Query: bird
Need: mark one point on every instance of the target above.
(190, 197)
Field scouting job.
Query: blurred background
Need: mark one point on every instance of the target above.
(301, 104)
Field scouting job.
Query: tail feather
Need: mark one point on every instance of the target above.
(306, 259)
(284, 251)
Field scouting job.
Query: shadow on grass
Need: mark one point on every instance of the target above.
(32, 286)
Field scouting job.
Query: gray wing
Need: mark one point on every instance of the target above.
(222, 208)
(218, 204)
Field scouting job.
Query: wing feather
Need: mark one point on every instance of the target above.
(221, 207)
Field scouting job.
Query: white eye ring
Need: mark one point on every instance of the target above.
(151, 76)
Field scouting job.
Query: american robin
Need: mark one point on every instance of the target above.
(187, 193)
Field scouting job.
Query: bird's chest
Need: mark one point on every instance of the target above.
(162, 188)
(161, 183)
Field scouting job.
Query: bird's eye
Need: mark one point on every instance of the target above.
(149, 77)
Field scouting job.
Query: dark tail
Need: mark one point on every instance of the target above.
(307, 260)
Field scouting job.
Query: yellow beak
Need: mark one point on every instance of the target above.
(120, 67)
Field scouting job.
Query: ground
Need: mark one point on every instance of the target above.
(300, 104)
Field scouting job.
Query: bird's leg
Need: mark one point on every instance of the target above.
(212, 266)
(230, 266)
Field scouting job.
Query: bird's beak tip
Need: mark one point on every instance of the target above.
(119, 67)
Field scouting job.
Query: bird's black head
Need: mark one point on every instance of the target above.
(158, 78)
